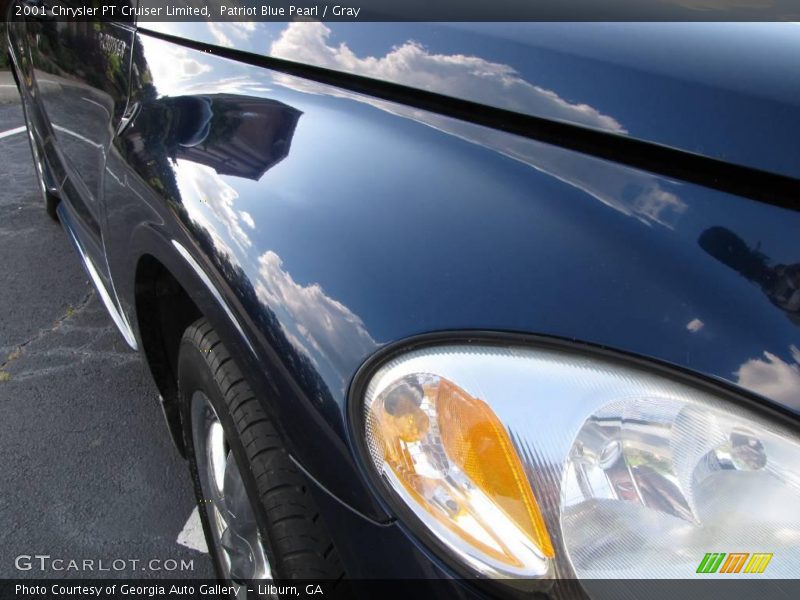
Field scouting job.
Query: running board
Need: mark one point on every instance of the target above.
(119, 319)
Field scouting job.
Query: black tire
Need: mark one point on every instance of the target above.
(295, 539)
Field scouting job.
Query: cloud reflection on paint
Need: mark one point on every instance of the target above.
(323, 328)
(318, 326)
(173, 70)
(631, 192)
(457, 75)
(216, 208)
(773, 377)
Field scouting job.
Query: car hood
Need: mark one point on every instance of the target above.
(329, 224)
(728, 91)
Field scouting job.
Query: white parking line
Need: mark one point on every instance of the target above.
(90, 101)
(77, 135)
(191, 535)
(4, 134)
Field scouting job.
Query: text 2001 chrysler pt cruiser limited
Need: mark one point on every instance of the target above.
(494, 304)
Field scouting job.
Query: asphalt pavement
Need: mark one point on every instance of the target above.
(87, 469)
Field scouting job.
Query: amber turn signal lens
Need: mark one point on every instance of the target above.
(449, 457)
(478, 443)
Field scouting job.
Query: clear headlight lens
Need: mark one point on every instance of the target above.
(534, 463)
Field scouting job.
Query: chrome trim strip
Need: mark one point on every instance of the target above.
(119, 319)
(213, 290)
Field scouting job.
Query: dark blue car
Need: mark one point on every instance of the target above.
(491, 303)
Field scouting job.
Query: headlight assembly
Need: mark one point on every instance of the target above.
(535, 463)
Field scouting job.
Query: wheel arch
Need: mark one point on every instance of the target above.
(170, 292)
(164, 310)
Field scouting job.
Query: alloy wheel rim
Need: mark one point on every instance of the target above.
(237, 540)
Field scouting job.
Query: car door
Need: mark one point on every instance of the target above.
(80, 77)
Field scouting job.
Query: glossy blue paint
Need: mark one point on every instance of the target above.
(724, 90)
(381, 222)
(332, 224)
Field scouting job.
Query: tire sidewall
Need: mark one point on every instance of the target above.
(194, 374)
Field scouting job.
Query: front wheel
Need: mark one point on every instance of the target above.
(258, 516)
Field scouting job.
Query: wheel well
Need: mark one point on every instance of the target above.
(164, 310)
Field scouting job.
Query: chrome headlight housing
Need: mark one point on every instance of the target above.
(539, 462)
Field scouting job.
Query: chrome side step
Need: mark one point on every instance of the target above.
(119, 319)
